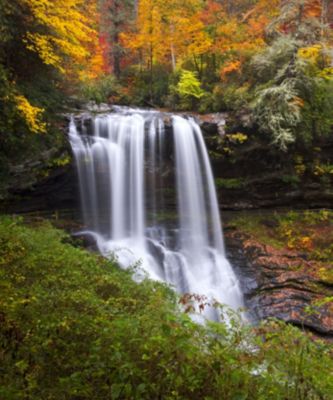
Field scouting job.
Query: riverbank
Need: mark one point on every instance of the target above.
(285, 263)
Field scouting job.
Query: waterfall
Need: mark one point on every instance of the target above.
(134, 173)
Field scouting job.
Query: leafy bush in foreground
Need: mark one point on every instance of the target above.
(74, 326)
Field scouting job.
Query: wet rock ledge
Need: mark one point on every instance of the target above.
(281, 284)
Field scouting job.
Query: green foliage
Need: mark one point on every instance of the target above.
(75, 326)
(233, 97)
(317, 117)
(189, 85)
(294, 97)
(277, 112)
(274, 59)
(309, 232)
(31, 93)
(7, 103)
(189, 89)
(149, 87)
(232, 183)
(102, 90)
(275, 107)
(207, 103)
(293, 180)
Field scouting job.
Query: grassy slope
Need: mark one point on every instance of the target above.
(75, 326)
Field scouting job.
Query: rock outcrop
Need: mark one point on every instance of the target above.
(249, 175)
(281, 284)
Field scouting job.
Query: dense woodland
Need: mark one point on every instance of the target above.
(267, 64)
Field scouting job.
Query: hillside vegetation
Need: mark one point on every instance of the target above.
(75, 326)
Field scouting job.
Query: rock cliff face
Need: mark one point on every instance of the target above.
(56, 191)
(45, 181)
(281, 284)
(249, 175)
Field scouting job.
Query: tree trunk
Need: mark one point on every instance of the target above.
(151, 72)
(116, 47)
(172, 49)
(324, 14)
(173, 58)
(136, 8)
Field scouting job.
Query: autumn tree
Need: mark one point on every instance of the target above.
(117, 18)
(44, 48)
(60, 32)
(237, 30)
(167, 31)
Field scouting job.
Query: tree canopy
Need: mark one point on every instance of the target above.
(244, 54)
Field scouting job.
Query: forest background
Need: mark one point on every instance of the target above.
(271, 60)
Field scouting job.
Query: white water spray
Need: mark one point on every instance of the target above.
(123, 177)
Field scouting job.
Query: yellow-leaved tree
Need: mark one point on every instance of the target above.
(62, 32)
(63, 35)
(31, 114)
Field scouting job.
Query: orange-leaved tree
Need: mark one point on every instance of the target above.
(166, 32)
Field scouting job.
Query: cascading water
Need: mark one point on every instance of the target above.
(124, 168)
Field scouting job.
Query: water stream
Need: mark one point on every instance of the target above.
(129, 167)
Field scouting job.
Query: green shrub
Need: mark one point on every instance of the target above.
(233, 97)
(232, 183)
(146, 87)
(293, 180)
(102, 90)
(207, 103)
(188, 89)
